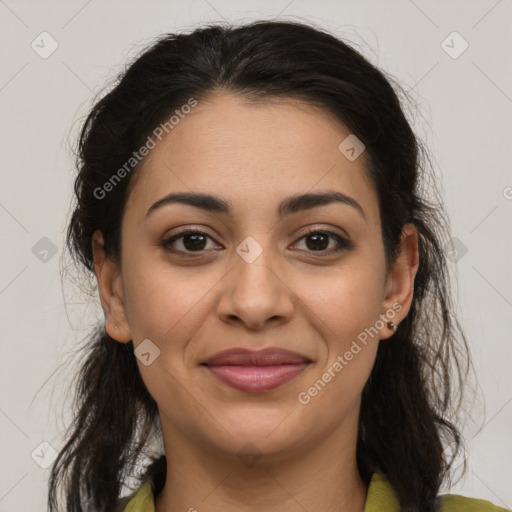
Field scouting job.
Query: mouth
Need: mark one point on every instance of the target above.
(256, 371)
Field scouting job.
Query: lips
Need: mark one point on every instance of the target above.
(245, 357)
(256, 371)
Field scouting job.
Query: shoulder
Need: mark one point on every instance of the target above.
(383, 498)
(456, 503)
(140, 500)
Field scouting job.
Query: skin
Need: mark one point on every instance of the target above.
(292, 296)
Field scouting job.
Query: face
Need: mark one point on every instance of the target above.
(261, 271)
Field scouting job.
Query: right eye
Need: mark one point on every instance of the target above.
(190, 241)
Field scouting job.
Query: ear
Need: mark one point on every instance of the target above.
(399, 287)
(110, 286)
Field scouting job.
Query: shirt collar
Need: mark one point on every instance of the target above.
(381, 497)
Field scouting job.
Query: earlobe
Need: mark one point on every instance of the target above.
(110, 289)
(399, 289)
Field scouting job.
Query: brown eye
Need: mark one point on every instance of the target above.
(319, 241)
(194, 241)
(188, 242)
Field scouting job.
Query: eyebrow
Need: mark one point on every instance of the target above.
(292, 204)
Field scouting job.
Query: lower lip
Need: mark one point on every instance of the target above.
(255, 379)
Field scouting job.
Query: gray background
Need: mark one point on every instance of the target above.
(464, 117)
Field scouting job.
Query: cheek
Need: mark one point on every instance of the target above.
(160, 301)
(344, 301)
(345, 312)
(167, 306)
(344, 309)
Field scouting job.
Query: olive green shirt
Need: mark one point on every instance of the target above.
(380, 498)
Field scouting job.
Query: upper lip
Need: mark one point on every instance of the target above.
(245, 357)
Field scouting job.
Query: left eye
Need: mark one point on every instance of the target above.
(318, 241)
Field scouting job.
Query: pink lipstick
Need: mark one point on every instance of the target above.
(256, 371)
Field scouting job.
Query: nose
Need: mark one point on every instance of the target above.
(255, 294)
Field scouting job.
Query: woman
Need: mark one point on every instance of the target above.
(251, 202)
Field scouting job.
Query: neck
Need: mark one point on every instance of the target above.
(324, 478)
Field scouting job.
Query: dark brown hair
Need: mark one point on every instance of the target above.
(409, 401)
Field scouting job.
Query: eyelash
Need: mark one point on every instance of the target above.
(343, 244)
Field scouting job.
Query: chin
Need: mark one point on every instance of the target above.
(270, 433)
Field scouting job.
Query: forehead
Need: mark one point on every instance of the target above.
(252, 152)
